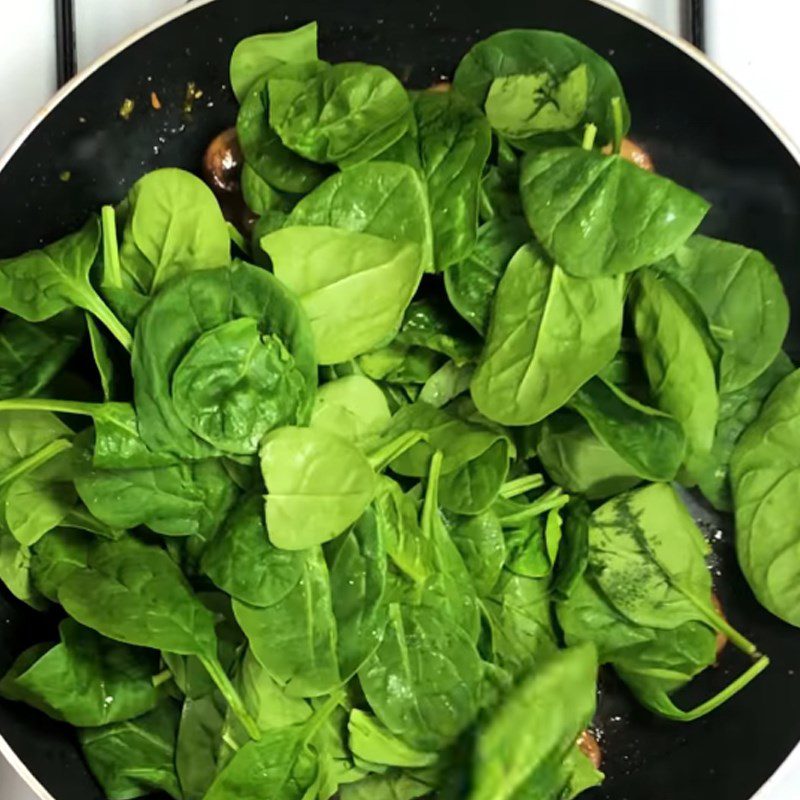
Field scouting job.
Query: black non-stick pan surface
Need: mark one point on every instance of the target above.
(699, 133)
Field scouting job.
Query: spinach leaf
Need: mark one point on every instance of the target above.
(102, 358)
(296, 638)
(264, 152)
(431, 324)
(258, 55)
(343, 114)
(535, 729)
(35, 495)
(353, 286)
(168, 338)
(471, 284)
(517, 613)
(86, 680)
(235, 384)
(198, 743)
(187, 499)
(15, 571)
(243, 562)
(380, 198)
(741, 295)
(679, 368)
(280, 766)
(426, 660)
(32, 355)
(358, 575)
(601, 215)
(43, 283)
(135, 757)
(575, 458)
(318, 484)
(391, 785)
(449, 143)
(174, 226)
(736, 411)
(317, 636)
(447, 383)
(553, 80)
(475, 462)
(549, 334)
(371, 741)
(353, 407)
(137, 595)
(482, 546)
(763, 473)
(54, 557)
(652, 442)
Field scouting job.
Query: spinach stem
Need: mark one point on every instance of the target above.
(589, 135)
(721, 697)
(388, 452)
(719, 623)
(238, 239)
(54, 406)
(112, 272)
(519, 486)
(321, 714)
(430, 505)
(721, 334)
(32, 462)
(223, 683)
(161, 678)
(616, 113)
(553, 498)
(93, 303)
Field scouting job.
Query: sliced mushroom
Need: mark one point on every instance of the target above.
(722, 639)
(440, 86)
(590, 747)
(222, 163)
(636, 154)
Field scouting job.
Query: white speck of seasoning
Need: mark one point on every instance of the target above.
(380, 22)
(612, 52)
(108, 700)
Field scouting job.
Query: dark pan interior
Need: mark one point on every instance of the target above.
(698, 131)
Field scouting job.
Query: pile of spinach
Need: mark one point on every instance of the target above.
(364, 520)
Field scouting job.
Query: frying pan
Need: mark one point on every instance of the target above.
(700, 130)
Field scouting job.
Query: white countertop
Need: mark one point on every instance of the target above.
(756, 42)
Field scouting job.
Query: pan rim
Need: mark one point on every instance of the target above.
(792, 761)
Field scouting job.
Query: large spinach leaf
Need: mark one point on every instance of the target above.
(353, 286)
(174, 225)
(764, 475)
(258, 55)
(172, 338)
(343, 114)
(471, 285)
(525, 744)
(549, 334)
(601, 215)
(42, 283)
(86, 680)
(737, 410)
(135, 757)
(538, 82)
(678, 365)
(741, 295)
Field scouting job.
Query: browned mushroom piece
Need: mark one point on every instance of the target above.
(440, 86)
(222, 171)
(222, 163)
(590, 747)
(636, 154)
(722, 639)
